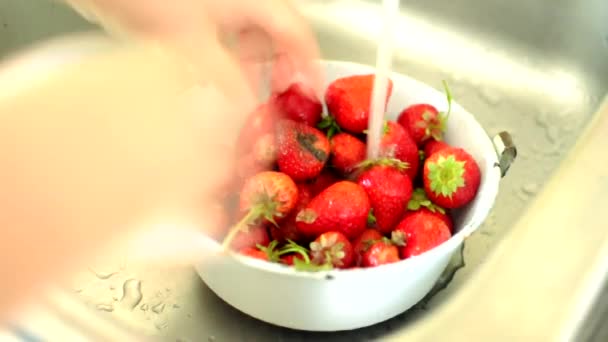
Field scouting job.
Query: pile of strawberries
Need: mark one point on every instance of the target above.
(307, 196)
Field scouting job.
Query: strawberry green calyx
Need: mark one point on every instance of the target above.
(327, 250)
(270, 250)
(292, 247)
(329, 123)
(371, 219)
(446, 175)
(398, 238)
(241, 226)
(419, 200)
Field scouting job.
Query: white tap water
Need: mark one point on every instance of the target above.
(383, 67)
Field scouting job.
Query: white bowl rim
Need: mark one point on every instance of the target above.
(493, 174)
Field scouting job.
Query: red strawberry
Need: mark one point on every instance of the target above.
(288, 259)
(347, 152)
(389, 191)
(420, 201)
(302, 150)
(332, 248)
(380, 253)
(298, 103)
(252, 237)
(424, 122)
(348, 100)
(433, 146)
(419, 232)
(288, 229)
(325, 179)
(364, 241)
(451, 177)
(254, 253)
(342, 207)
(258, 123)
(397, 143)
(265, 197)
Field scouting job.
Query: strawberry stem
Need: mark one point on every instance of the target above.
(242, 225)
(449, 97)
(292, 247)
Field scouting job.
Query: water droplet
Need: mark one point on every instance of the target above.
(167, 289)
(103, 275)
(176, 306)
(161, 325)
(489, 96)
(108, 307)
(144, 307)
(158, 308)
(78, 290)
(542, 119)
(131, 293)
(211, 338)
(115, 298)
(530, 188)
(189, 315)
(112, 287)
(552, 133)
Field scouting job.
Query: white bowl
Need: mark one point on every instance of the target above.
(349, 299)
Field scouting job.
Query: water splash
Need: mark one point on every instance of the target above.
(489, 96)
(530, 188)
(158, 308)
(103, 275)
(108, 307)
(131, 293)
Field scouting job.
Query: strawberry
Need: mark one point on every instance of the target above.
(343, 207)
(347, 152)
(420, 201)
(397, 143)
(265, 151)
(389, 190)
(380, 253)
(289, 259)
(451, 177)
(288, 229)
(364, 241)
(298, 103)
(424, 122)
(252, 237)
(302, 150)
(419, 232)
(292, 254)
(433, 146)
(259, 122)
(348, 100)
(325, 179)
(253, 252)
(265, 197)
(332, 248)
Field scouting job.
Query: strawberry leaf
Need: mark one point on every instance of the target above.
(270, 250)
(329, 124)
(301, 265)
(419, 200)
(371, 219)
(446, 176)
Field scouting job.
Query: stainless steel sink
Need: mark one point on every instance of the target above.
(536, 68)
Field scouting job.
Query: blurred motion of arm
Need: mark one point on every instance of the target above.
(92, 147)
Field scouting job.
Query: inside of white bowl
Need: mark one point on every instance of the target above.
(463, 130)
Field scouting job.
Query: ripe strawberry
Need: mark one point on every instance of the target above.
(347, 152)
(419, 232)
(332, 248)
(298, 103)
(288, 230)
(380, 253)
(420, 201)
(389, 190)
(292, 254)
(253, 236)
(364, 241)
(397, 143)
(451, 177)
(424, 122)
(348, 100)
(289, 259)
(342, 207)
(253, 252)
(433, 146)
(325, 179)
(259, 122)
(265, 197)
(302, 150)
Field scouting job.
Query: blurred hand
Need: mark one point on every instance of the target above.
(92, 148)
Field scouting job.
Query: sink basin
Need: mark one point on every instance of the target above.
(537, 69)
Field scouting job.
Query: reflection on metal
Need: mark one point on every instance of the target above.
(506, 150)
